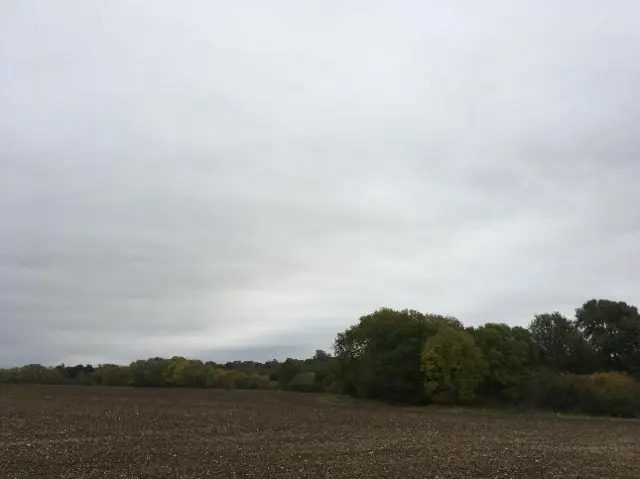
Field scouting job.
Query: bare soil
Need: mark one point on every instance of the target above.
(78, 432)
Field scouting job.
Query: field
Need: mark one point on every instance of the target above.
(67, 431)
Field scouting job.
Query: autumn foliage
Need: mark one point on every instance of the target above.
(589, 365)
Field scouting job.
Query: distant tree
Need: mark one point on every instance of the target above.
(407, 356)
(321, 355)
(612, 328)
(37, 374)
(113, 375)
(601, 394)
(304, 382)
(320, 366)
(184, 372)
(148, 373)
(511, 360)
(287, 371)
(560, 344)
(453, 366)
(380, 356)
(211, 375)
(78, 374)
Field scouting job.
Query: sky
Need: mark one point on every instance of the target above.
(244, 180)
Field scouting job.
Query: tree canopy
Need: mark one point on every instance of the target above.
(453, 366)
(589, 363)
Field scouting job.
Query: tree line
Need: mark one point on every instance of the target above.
(309, 375)
(586, 364)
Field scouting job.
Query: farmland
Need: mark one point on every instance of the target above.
(75, 431)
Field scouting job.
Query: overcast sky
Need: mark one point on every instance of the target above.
(231, 180)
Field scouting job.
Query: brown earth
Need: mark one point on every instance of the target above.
(66, 431)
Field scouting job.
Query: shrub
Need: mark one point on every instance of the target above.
(304, 382)
(614, 394)
(113, 375)
(562, 392)
(604, 394)
(32, 374)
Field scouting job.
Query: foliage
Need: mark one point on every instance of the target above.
(453, 366)
(608, 394)
(585, 365)
(380, 356)
(287, 371)
(186, 373)
(149, 373)
(613, 393)
(113, 375)
(79, 374)
(560, 344)
(612, 328)
(31, 374)
(510, 357)
(304, 382)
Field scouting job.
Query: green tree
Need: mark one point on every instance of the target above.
(287, 371)
(380, 356)
(560, 344)
(185, 372)
(511, 360)
(601, 394)
(320, 366)
(321, 355)
(612, 328)
(36, 374)
(211, 375)
(304, 382)
(453, 366)
(113, 375)
(148, 373)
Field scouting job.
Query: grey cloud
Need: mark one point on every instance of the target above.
(208, 179)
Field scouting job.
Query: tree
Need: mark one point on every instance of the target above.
(560, 344)
(453, 366)
(511, 359)
(37, 374)
(320, 365)
(321, 355)
(612, 328)
(185, 372)
(380, 356)
(148, 373)
(287, 371)
(304, 382)
(78, 373)
(606, 394)
(113, 375)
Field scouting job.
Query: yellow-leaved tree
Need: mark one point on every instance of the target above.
(453, 366)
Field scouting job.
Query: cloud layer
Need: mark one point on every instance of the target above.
(246, 180)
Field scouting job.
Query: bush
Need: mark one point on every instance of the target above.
(304, 382)
(604, 394)
(113, 375)
(251, 381)
(562, 392)
(31, 374)
(614, 394)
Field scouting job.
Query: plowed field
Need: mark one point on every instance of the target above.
(74, 432)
